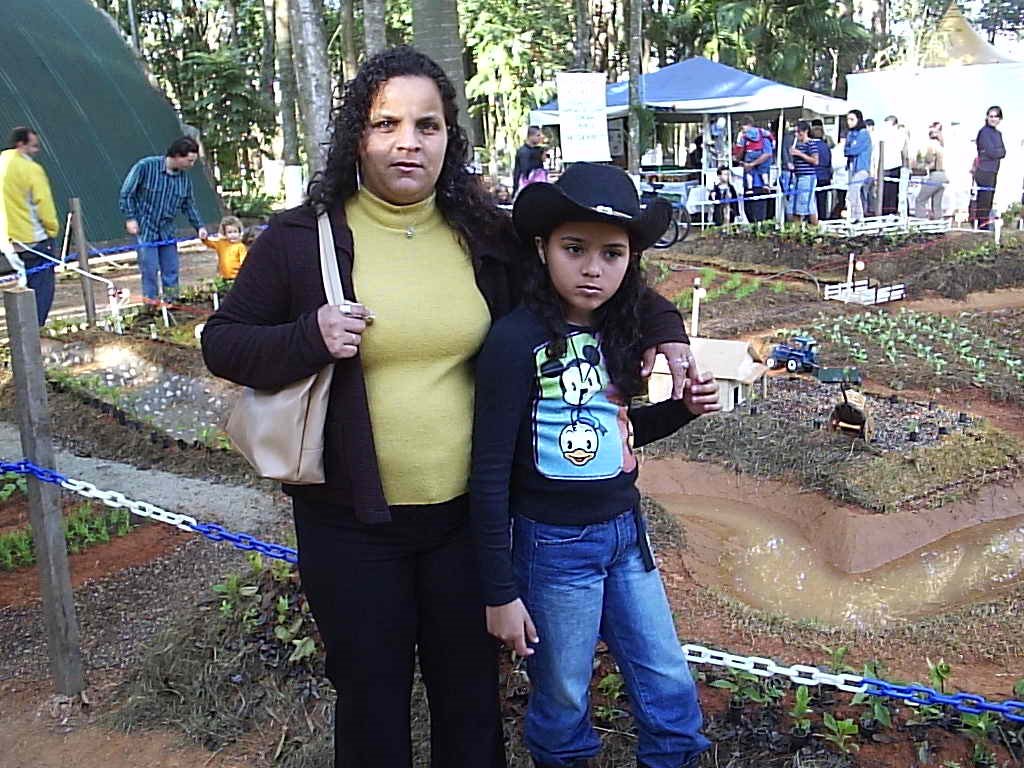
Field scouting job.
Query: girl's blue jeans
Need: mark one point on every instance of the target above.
(579, 583)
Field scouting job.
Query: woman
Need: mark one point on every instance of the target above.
(986, 167)
(858, 163)
(934, 183)
(385, 549)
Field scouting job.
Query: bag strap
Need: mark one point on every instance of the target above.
(329, 261)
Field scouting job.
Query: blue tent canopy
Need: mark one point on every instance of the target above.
(702, 86)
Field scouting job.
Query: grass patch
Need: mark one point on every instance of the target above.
(943, 471)
(846, 469)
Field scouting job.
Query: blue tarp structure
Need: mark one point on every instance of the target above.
(66, 72)
(700, 86)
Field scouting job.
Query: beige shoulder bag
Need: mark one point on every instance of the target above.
(281, 433)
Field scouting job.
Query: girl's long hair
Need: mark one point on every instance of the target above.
(461, 199)
(861, 125)
(617, 321)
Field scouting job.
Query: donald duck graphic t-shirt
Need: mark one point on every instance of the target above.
(553, 438)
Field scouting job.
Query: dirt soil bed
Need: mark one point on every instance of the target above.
(142, 545)
(728, 313)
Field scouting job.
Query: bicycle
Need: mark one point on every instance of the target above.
(679, 225)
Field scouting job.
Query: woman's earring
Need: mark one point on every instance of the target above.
(359, 177)
(540, 250)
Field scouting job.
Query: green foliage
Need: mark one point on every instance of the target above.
(840, 733)
(771, 38)
(612, 687)
(207, 56)
(746, 687)
(1018, 689)
(252, 206)
(84, 527)
(12, 483)
(801, 709)
(837, 659)
(518, 48)
(938, 673)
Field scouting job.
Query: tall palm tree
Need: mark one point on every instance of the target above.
(435, 27)
(374, 26)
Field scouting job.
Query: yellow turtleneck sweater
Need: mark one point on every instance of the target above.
(430, 320)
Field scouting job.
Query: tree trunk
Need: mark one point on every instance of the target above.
(286, 84)
(435, 25)
(312, 75)
(267, 58)
(348, 38)
(582, 60)
(635, 9)
(374, 26)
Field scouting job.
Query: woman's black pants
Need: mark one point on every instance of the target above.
(986, 181)
(382, 593)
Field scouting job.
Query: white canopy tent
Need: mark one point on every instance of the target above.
(699, 86)
(959, 77)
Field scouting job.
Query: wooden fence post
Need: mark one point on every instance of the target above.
(879, 178)
(78, 224)
(44, 500)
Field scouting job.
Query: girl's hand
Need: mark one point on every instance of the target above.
(511, 623)
(342, 328)
(701, 395)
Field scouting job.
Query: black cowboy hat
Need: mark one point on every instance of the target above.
(590, 192)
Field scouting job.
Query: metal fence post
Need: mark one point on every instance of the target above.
(78, 224)
(44, 501)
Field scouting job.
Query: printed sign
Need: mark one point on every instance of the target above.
(582, 116)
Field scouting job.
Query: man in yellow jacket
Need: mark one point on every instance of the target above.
(28, 219)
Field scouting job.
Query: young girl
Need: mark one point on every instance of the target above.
(230, 249)
(553, 449)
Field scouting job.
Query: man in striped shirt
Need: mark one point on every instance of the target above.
(800, 202)
(155, 191)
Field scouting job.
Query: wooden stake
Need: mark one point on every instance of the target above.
(63, 639)
(83, 259)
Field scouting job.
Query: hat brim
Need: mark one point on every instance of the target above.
(543, 206)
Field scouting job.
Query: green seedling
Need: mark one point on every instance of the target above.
(938, 674)
(801, 709)
(840, 733)
(837, 659)
(1018, 689)
(611, 686)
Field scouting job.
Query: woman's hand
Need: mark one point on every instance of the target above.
(342, 327)
(511, 623)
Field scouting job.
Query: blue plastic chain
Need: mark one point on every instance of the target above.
(969, 703)
(919, 695)
(211, 531)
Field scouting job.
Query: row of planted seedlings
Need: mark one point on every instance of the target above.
(109, 400)
(790, 718)
(939, 346)
(85, 525)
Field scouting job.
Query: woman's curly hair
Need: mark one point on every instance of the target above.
(461, 198)
(617, 321)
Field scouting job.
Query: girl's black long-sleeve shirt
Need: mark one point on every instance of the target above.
(552, 440)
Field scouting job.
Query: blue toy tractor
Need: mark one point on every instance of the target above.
(798, 354)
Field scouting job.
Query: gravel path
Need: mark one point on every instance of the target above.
(120, 613)
(238, 507)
